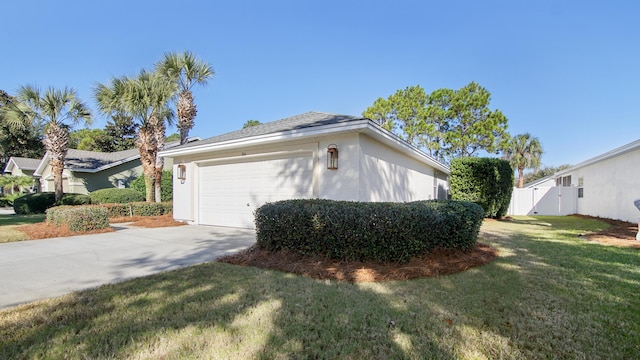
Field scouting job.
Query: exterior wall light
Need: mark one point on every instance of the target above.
(332, 157)
(182, 173)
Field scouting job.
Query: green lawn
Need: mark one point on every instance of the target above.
(549, 295)
(8, 223)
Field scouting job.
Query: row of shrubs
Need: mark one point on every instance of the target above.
(367, 231)
(92, 217)
(38, 203)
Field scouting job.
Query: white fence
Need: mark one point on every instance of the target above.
(555, 200)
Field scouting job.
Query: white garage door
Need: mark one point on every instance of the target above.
(230, 192)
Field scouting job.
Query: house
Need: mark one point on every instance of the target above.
(87, 171)
(604, 186)
(223, 179)
(20, 166)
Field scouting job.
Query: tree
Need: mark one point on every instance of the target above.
(250, 123)
(55, 108)
(173, 137)
(404, 109)
(144, 98)
(185, 70)
(524, 152)
(468, 123)
(21, 136)
(544, 172)
(88, 139)
(120, 133)
(15, 183)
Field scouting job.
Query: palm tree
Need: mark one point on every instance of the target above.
(185, 70)
(524, 152)
(145, 98)
(55, 108)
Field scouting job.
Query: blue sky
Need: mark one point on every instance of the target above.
(566, 71)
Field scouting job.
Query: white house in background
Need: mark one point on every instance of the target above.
(604, 186)
(224, 179)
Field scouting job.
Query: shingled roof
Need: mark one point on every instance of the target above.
(301, 121)
(79, 160)
(24, 163)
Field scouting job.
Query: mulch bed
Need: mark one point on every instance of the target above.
(619, 234)
(436, 263)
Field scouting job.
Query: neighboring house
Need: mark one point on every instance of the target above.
(19, 166)
(224, 179)
(607, 185)
(604, 186)
(87, 171)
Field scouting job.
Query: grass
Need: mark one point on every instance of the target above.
(549, 295)
(8, 223)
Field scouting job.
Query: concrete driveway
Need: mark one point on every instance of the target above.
(38, 269)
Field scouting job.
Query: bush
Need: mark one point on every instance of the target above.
(115, 196)
(367, 231)
(74, 199)
(79, 218)
(487, 182)
(36, 203)
(138, 209)
(166, 188)
(8, 199)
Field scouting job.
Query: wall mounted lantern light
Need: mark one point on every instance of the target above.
(332, 157)
(182, 172)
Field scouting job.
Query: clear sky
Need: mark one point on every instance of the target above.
(566, 71)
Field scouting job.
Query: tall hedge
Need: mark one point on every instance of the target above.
(487, 182)
(38, 203)
(166, 187)
(115, 196)
(366, 230)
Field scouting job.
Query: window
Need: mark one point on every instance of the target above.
(563, 181)
(580, 187)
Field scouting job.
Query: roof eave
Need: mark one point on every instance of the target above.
(364, 125)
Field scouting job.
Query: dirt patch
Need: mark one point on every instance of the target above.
(619, 234)
(46, 230)
(436, 263)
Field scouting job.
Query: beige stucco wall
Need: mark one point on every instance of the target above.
(389, 175)
(610, 187)
(367, 171)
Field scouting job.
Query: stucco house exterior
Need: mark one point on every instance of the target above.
(87, 171)
(20, 166)
(607, 185)
(604, 186)
(223, 179)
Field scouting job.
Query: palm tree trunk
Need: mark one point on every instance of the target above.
(520, 178)
(186, 113)
(159, 130)
(56, 142)
(148, 152)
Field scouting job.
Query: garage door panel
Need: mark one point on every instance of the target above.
(230, 192)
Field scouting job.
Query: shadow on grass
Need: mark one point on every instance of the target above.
(540, 299)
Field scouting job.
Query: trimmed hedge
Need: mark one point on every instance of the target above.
(138, 209)
(357, 231)
(115, 196)
(487, 182)
(38, 203)
(79, 218)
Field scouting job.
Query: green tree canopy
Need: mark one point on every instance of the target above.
(447, 123)
(524, 152)
(22, 138)
(544, 172)
(250, 123)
